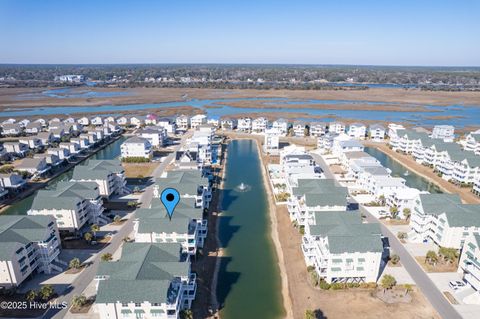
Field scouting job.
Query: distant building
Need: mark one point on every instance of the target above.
(70, 78)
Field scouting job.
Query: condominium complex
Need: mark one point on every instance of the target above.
(28, 244)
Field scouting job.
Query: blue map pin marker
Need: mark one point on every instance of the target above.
(170, 198)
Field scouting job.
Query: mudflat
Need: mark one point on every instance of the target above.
(12, 97)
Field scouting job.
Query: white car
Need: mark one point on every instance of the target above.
(456, 284)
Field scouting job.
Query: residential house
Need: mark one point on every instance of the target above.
(281, 125)
(336, 127)
(16, 148)
(299, 129)
(318, 129)
(136, 147)
(182, 122)
(11, 129)
(376, 132)
(357, 131)
(444, 132)
(33, 128)
(259, 125)
(32, 142)
(228, 124)
(244, 124)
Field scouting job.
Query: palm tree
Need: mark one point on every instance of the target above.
(107, 257)
(88, 237)
(310, 314)
(402, 235)
(408, 288)
(31, 295)
(94, 228)
(381, 199)
(75, 263)
(395, 259)
(407, 213)
(449, 254)
(79, 301)
(388, 282)
(46, 292)
(117, 219)
(394, 211)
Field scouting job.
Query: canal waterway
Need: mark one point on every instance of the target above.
(111, 151)
(249, 283)
(412, 179)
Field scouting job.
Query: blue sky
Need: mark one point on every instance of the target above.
(407, 32)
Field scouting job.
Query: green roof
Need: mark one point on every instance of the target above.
(21, 229)
(457, 213)
(346, 233)
(136, 291)
(97, 169)
(66, 195)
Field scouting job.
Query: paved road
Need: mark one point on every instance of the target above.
(426, 285)
(87, 275)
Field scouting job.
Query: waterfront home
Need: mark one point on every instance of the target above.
(58, 133)
(34, 166)
(281, 125)
(169, 126)
(341, 248)
(12, 182)
(45, 138)
(444, 132)
(201, 143)
(357, 131)
(41, 121)
(361, 166)
(82, 142)
(85, 121)
(343, 144)
(156, 135)
(406, 141)
(108, 174)
(151, 119)
(73, 148)
(444, 220)
(137, 121)
(189, 183)
(376, 132)
(228, 124)
(11, 129)
(182, 122)
(9, 121)
(122, 121)
(197, 120)
(91, 137)
(29, 245)
(299, 129)
(69, 120)
(51, 159)
(403, 198)
(272, 141)
(24, 122)
(16, 148)
(244, 124)
(393, 128)
(315, 195)
(325, 142)
(136, 147)
(62, 153)
(318, 129)
(55, 124)
(471, 142)
(297, 164)
(96, 120)
(72, 204)
(185, 159)
(109, 119)
(33, 128)
(33, 142)
(336, 127)
(73, 128)
(159, 280)
(469, 265)
(259, 125)
(213, 122)
(155, 226)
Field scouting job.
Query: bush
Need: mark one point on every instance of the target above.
(135, 159)
(395, 259)
(324, 285)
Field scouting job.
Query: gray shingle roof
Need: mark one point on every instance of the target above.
(97, 169)
(458, 214)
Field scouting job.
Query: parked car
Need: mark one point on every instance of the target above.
(456, 284)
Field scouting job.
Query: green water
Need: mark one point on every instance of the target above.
(110, 152)
(412, 180)
(249, 283)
